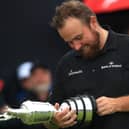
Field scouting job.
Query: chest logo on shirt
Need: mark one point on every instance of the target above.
(74, 72)
(111, 64)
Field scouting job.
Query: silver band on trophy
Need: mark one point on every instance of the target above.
(85, 107)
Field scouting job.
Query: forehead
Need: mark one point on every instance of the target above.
(71, 28)
(40, 70)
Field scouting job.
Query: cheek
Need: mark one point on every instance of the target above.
(87, 41)
(91, 39)
(47, 79)
(88, 37)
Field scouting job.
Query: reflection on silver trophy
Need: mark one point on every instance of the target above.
(32, 112)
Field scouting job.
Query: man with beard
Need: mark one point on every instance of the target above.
(98, 64)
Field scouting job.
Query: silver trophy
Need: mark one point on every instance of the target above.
(32, 112)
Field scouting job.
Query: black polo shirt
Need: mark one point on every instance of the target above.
(105, 75)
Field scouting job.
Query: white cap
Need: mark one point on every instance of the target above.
(24, 70)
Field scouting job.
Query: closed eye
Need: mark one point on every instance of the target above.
(76, 38)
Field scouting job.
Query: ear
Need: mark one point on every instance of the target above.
(93, 22)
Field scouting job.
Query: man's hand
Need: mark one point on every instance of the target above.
(106, 105)
(65, 118)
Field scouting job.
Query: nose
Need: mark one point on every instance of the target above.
(76, 45)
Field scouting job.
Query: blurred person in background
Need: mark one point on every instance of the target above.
(41, 79)
(33, 82)
(17, 88)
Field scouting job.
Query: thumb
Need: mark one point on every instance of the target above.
(57, 106)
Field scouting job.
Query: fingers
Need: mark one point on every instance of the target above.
(103, 110)
(105, 105)
(69, 119)
(69, 115)
(65, 118)
(62, 114)
(57, 106)
(69, 123)
(101, 99)
(100, 105)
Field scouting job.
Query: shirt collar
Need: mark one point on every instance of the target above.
(110, 42)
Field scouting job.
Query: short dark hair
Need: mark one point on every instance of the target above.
(40, 66)
(71, 8)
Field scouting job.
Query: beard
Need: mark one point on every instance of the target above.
(91, 50)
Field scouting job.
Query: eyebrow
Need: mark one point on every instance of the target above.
(74, 37)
